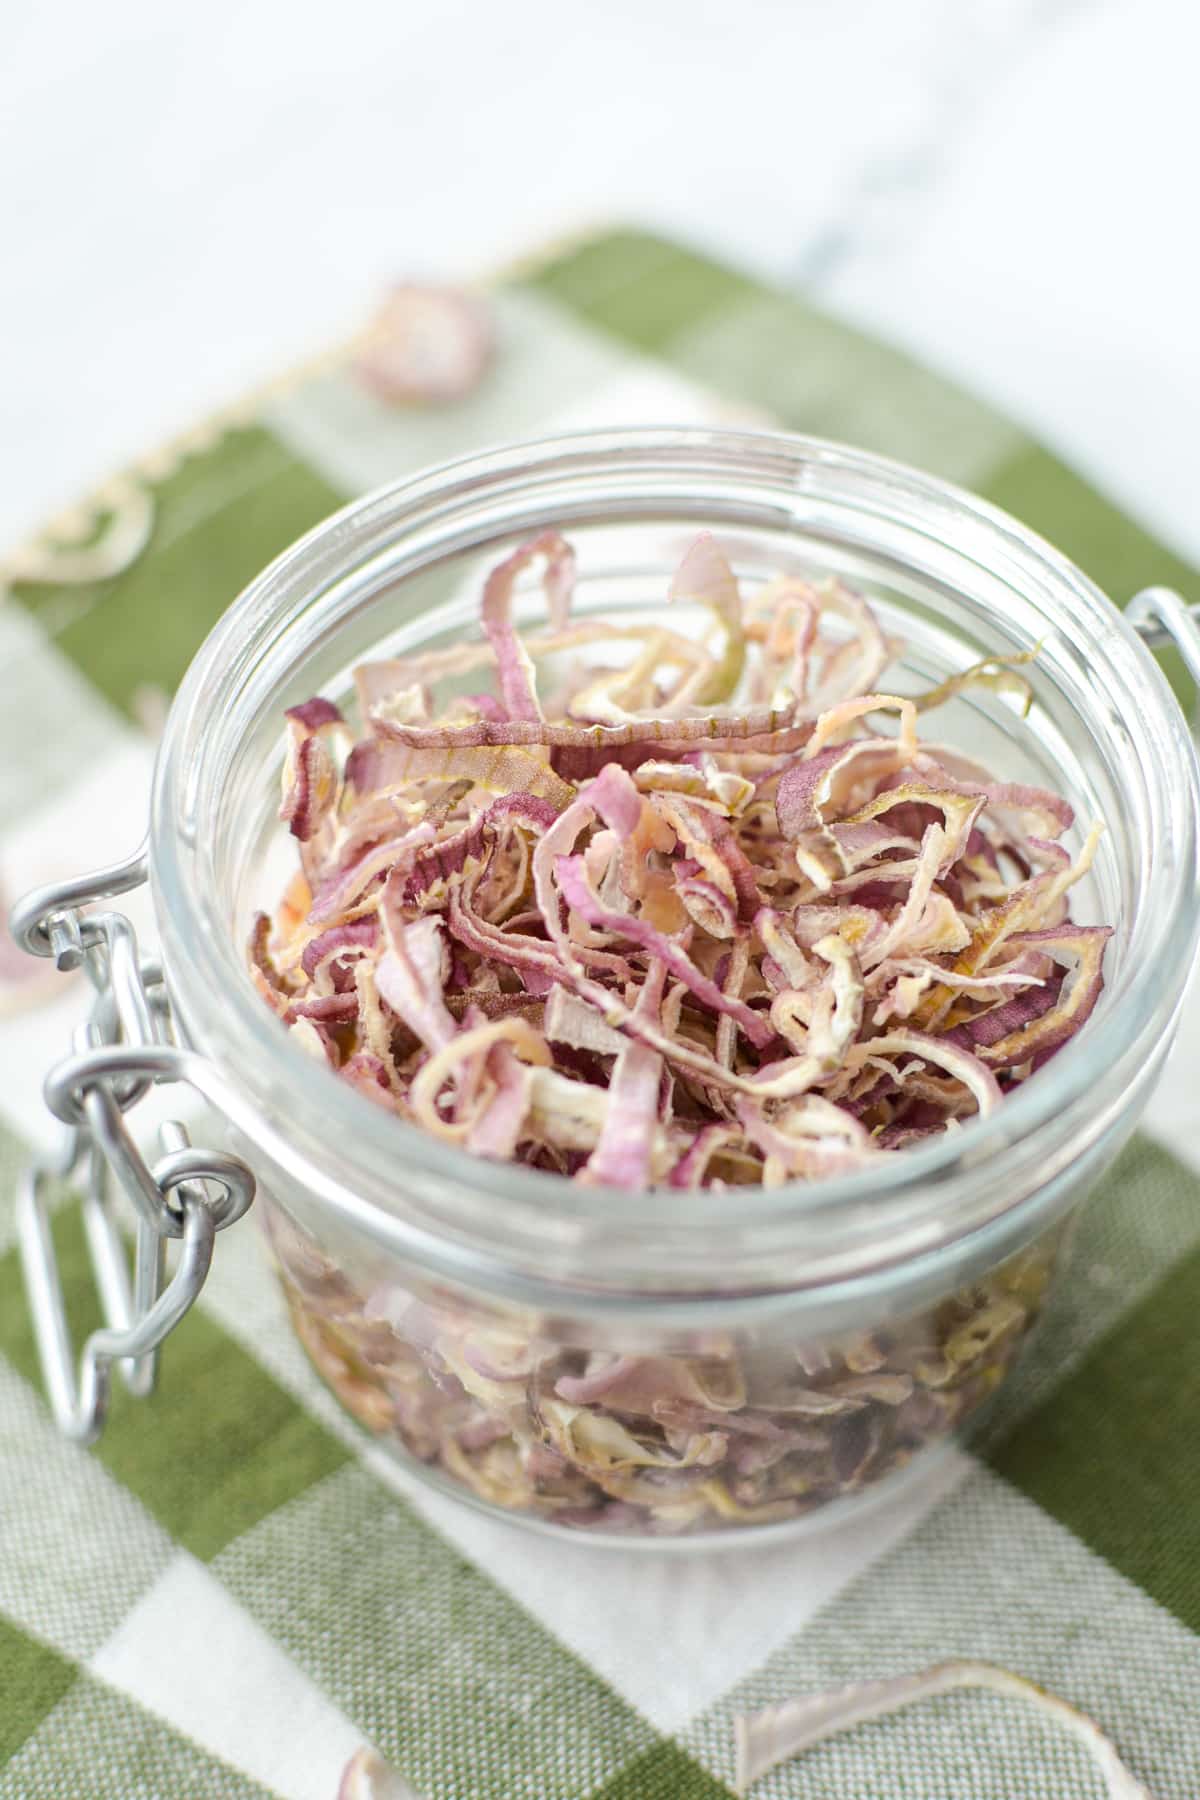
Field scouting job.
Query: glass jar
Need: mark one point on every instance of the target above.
(672, 1364)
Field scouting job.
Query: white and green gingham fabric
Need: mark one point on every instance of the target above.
(236, 1590)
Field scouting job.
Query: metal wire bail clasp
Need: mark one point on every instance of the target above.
(126, 1048)
(1161, 617)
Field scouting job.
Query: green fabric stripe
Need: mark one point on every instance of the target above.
(223, 514)
(85, 1551)
(1115, 1454)
(664, 1773)
(1119, 554)
(460, 1688)
(219, 1447)
(100, 1745)
(33, 1679)
(641, 288)
(986, 1574)
(1142, 1217)
(815, 374)
(772, 350)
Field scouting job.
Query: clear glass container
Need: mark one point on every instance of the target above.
(783, 1354)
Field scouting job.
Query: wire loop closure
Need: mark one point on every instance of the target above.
(188, 1193)
(1160, 617)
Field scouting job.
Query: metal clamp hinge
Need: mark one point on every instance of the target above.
(1162, 617)
(190, 1194)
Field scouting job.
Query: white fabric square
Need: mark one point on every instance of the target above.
(191, 1654)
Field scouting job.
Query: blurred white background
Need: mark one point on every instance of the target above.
(194, 196)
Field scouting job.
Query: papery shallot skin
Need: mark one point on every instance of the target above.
(426, 346)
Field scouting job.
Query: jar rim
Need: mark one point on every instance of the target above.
(928, 1197)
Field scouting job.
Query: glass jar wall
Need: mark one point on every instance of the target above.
(675, 1363)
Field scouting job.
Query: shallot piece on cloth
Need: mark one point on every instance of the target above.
(778, 1733)
(426, 345)
(367, 1777)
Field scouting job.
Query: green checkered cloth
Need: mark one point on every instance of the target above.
(236, 1589)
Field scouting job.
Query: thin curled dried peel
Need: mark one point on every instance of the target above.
(776, 1734)
(658, 905)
